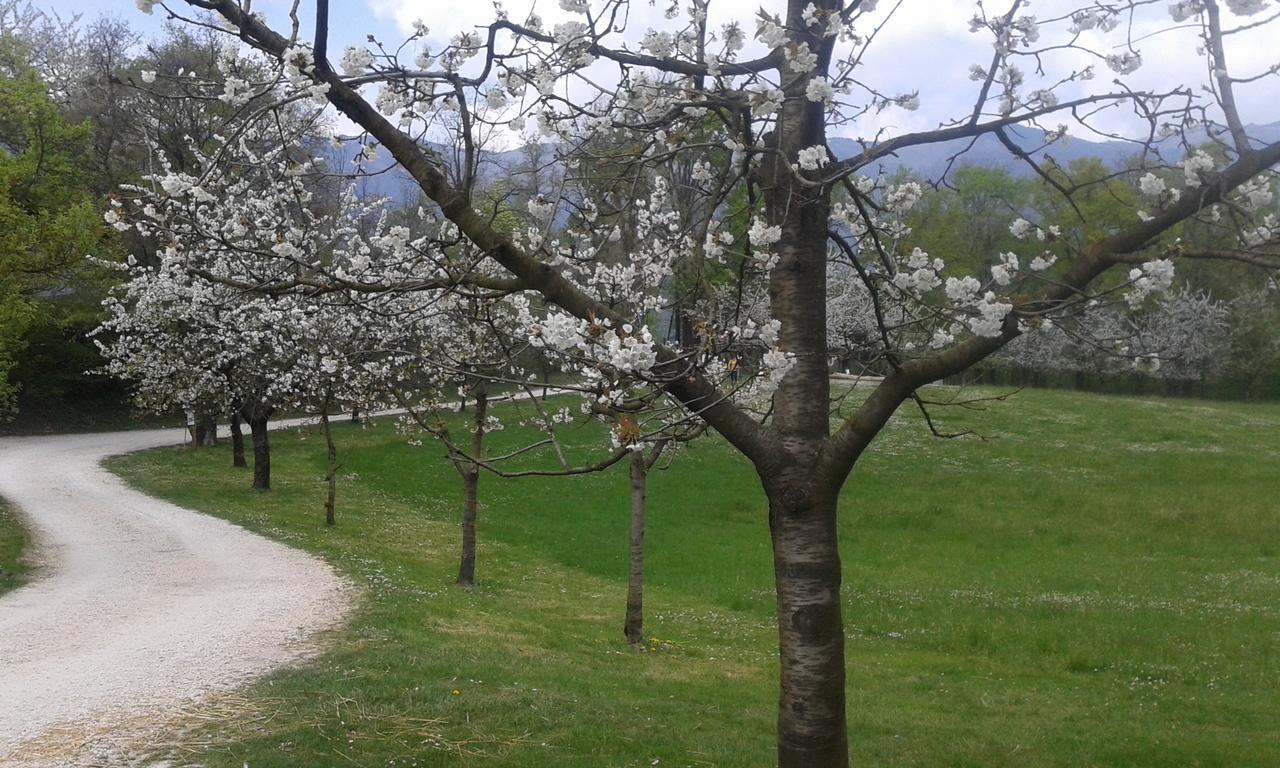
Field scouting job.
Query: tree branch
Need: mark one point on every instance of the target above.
(844, 448)
(691, 388)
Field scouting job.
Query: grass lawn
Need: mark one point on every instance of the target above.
(12, 541)
(1095, 583)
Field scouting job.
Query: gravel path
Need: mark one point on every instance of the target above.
(139, 608)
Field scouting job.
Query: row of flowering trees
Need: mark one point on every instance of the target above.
(209, 326)
(698, 182)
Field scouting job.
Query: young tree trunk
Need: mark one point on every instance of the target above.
(633, 627)
(467, 560)
(261, 453)
(470, 481)
(237, 442)
(331, 476)
(355, 414)
(806, 563)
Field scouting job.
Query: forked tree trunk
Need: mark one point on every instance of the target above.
(470, 482)
(261, 453)
(806, 563)
(331, 475)
(633, 626)
(237, 442)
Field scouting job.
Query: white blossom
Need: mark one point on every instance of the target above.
(1125, 63)
(1103, 19)
(991, 315)
(495, 98)
(1022, 229)
(1184, 9)
(799, 58)
(813, 158)
(1151, 185)
(903, 197)
(632, 353)
(776, 364)
(1043, 262)
(766, 101)
(1153, 276)
(770, 34)
(660, 44)
(962, 290)
(761, 235)
(819, 89)
(716, 241)
(1246, 7)
(541, 208)
(175, 185)
(1004, 270)
(355, 61)
(1255, 194)
(1194, 166)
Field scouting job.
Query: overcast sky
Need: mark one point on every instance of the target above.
(926, 47)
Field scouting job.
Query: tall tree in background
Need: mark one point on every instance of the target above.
(48, 220)
(94, 76)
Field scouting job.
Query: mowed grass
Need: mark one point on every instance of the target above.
(13, 540)
(1095, 583)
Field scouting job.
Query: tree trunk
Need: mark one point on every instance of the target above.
(206, 431)
(331, 476)
(261, 453)
(355, 414)
(802, 504)
(467, 561)
(806, 563)
(237, 442)
(470, 481)
(633, 627)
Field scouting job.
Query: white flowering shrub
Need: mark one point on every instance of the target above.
(1185, 335)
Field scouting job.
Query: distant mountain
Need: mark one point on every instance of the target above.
(931, 161)
(383, 177)
(386, 179)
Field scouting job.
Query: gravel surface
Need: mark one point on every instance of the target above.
(137, 608)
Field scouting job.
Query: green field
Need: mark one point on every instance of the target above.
(1097, 582)
(13, 540)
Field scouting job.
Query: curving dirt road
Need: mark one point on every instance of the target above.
(139, 608)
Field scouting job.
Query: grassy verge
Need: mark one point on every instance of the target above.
(13, 540)
(1095, 583)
